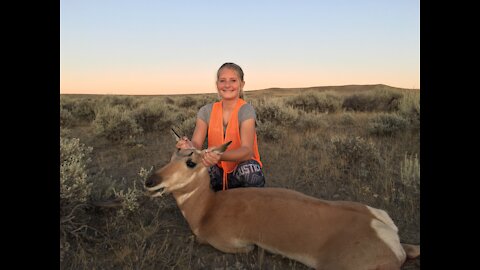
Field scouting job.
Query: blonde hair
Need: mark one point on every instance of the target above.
(239, 72)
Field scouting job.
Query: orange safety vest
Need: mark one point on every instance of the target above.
(216, 138)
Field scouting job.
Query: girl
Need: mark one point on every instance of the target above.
(230, 119)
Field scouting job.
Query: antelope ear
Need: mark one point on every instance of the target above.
(222, 148)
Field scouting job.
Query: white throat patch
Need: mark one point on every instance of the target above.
(182, 198)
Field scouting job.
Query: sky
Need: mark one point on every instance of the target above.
(160, 47)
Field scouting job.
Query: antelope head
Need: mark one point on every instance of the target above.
(184, 167)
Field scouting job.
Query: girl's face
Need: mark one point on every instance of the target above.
(229, 84)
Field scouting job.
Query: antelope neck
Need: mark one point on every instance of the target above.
(195, 199)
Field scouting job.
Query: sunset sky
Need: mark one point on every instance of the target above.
(143, 47)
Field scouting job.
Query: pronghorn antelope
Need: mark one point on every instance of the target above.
(318, 233)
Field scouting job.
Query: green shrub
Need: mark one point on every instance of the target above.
(316, 102)
(83, 110)
(305, 101)
(355, 156)
(275, 111)
(269, 131)
(187, 102)
(66, 102)
(66, 117)
(186, 127)
(387, 124)
(309, 121)
(169, 100)
(153, 116)
(347, 119)
(75, 190)
(116, 124)
(180, 115)
(357, 102)
(65, 132)
(74, 158)
(387, 99)
(313, 142)
(206, 99)
(131, 197)
(376, 100)
(409, 107)
(113, 100)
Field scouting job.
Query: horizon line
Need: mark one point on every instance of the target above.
(203, 93)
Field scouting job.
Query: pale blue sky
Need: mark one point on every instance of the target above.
(166, 47)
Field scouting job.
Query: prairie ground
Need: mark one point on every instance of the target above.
(359, 143)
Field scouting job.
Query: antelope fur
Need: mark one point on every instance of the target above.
(318, 233)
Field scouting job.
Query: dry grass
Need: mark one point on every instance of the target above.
(328, 155)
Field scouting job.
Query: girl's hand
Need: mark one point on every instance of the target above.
(184, 143)
(210, 158)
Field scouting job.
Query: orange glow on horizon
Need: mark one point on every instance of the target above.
(157, 83)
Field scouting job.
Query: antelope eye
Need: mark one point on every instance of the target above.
(190, 163)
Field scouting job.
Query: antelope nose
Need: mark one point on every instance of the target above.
(152, 180)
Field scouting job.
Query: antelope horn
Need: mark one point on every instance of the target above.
(222, 148)
(177, 137)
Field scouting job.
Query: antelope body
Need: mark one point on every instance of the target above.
(318, 233)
